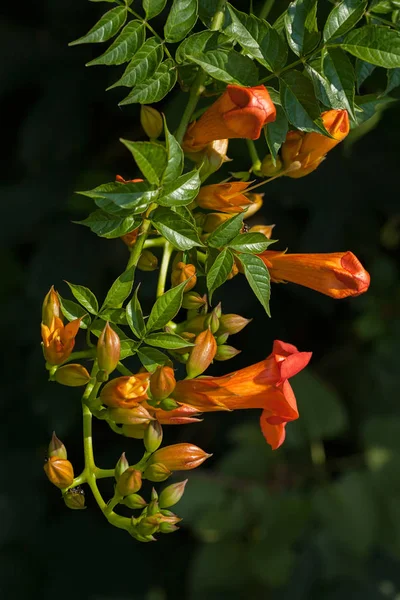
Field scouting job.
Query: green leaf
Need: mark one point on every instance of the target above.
(299, 102)
(124, 47)
(226, 232)
(371, 104)
(383, 7)
(128, 348)
(363, 71)
(393, 80)
(301, 26)
(169, 341)
(85, 297)
(181, 19)
(340, 77)
(175, 157)
(72, 311)
(104, 29)
(134, 316)
(257, 38)
(153, 8)
(155, 88)
(166, 307)
(177, 230)
(120, 289)
(133, 196)
(114, 315)
(255, 243)
(375, 44)
(258, 277)
(275, 133)
(343, 17)
(143, 65)
(218, 273)
(150, 157)
(110, 226)
(151, 358)
(181, 191)
(207, 50)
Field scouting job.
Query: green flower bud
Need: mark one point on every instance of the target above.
(156, 472)
(134, 501)
(153, 436)
(172, 494)
(75, 498)
(225, 352)
(129, 482)
(56, 447)
(121, 466)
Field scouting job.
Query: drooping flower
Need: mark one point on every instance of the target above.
(309, 149)
(224, 197)
(336, 274)
(239, 113)
(263, 385)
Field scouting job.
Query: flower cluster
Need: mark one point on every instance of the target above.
(205, 236)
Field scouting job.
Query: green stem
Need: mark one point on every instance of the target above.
(299, 61)
(255, 159)
(116, 499)
(162, 277)
(264, 12)
(141, 238)
(384, 21)
(155, 242)
(103, 473)
(202, 257)
(198, 85)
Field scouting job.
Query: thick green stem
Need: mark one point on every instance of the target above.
(162, 277)
(155, 242)
(197, 88)
(264, 12)
(81, 354)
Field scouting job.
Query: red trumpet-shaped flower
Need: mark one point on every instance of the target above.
(264, 385)
(239, 113)
(338, 274)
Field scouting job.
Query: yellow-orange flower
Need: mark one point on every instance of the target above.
(59, 340)
(309, 149)
(264, 385)
(239, 113)
(224, 197)
(126, 391)
(338, 274)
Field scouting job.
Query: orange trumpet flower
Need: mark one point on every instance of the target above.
(338, 274)
(264, 385)
(239, 113)
(224, 197)
(58, 340)
(309, 149)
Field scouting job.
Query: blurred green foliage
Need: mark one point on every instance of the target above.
(319, 518)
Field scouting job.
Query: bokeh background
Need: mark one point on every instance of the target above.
(318, 519)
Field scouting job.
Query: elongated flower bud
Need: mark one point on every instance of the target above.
(179, 457)
(75, 498)
(51, 307)
(134, 501)
(153, 436)
(172, 494)
(136, 415)
(129, 482)
(151, 121)
(59, 471)
(157, 471)
(264, 229)
(73, 375)
(121, 466)
(202, 354)
(232, 324)
(183, 272)
(147, 261)
(162, 383)
(225, 352)
(193, 301)
(108, 349)
(56, 447)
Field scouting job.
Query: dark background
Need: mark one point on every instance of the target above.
(256, 523)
